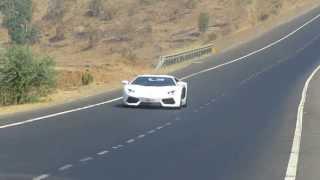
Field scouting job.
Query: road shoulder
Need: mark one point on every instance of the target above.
(309, 160)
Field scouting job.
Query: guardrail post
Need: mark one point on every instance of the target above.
(160, 63)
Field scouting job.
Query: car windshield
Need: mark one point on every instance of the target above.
(154, 81)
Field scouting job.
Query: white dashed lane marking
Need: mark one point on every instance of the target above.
(86, 159)
(159, 127)
(168, 124)
(141, 136)
(65, 167)
(151, 131)
(130, 141)
(117, 147)
(41, 177)
(102, 153)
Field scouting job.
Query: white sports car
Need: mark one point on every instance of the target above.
(163, 90)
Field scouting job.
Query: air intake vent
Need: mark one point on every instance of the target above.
(168, 101)
(132, 100)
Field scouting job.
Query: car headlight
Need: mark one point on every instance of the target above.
(171, 92)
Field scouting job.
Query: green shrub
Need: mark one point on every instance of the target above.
(86, 78)
(33, 35)
(203, 22)
(24, 77)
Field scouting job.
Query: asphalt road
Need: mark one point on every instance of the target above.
(239, 123)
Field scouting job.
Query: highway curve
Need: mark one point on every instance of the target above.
(239, 123)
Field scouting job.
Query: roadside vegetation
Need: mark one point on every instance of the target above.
(17, 19)
(24, 76)
(86, 78)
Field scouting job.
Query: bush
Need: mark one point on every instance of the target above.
(56, 10)
(203, 22)
(86, 78)
(95, 8)
(24, 77)
(33, 35)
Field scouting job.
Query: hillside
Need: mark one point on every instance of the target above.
(124, 37)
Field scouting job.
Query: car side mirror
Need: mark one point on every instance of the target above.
(125, 82)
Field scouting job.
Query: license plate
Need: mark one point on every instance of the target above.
(150, 100)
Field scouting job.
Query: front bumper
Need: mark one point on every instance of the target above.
(169, 101)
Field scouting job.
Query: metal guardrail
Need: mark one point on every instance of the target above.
(185, 56)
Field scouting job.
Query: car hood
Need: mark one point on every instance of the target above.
(151, 91)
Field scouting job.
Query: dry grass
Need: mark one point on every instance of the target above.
(137, 32)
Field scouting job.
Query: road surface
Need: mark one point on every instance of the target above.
(239, 124)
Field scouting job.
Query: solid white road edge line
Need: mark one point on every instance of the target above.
(183, 78)
(295, 149)
(58, 114)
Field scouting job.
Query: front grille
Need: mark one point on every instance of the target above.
(132, 100)
(168, 101)
(150, 104)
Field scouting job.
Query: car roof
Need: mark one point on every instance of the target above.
(150, 75)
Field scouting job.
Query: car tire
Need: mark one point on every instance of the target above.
(184, 95)
(186, 104)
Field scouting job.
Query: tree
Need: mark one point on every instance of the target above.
(18, 16)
